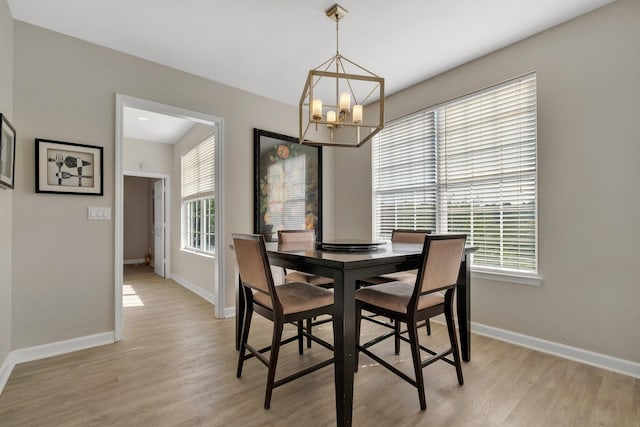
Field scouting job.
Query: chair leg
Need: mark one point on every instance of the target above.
(396, 326)
(300, 337)
(448, 314)
(246, 324)
(309, 326)
(417, 361)
(273, 360)
(358, 324)
(428, 325)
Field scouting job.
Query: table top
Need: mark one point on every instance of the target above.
(385, 250)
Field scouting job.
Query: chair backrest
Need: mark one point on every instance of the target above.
(253, 263)
(297, 236)
(442, 256)
(409, 236)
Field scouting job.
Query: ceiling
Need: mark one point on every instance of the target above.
(150, 126)
(268, 47)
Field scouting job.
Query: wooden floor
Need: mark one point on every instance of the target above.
(176, 367)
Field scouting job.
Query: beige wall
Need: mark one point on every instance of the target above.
(198, 270)
(588, 79)
(72, 99)
(146, 156)
(137, 217)
(6, 196)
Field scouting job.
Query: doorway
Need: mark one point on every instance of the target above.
(146, 232)
(125, 102)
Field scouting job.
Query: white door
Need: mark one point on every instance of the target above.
(158, 226)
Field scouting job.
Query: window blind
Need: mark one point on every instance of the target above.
(198, 170)
(468, 165)
(487, 173)
(404, 161)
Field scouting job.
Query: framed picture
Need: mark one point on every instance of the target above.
(63, 167)
(7, 152)
(287, 185)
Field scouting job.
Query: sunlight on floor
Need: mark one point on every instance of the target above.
(130, 298)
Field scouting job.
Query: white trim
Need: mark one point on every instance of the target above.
(599, 360)
(229, 312)
(129, 101)
(207, 296)
(221, 270)
(38, 352)
(203, 254)
(506, 276)
(62, 347)
(5, 371)
(118, 221)
(133, 261)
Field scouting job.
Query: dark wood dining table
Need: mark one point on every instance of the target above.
(345, 268)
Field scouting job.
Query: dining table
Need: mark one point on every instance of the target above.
(346, 266)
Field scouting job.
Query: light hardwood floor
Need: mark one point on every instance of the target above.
(176, 367)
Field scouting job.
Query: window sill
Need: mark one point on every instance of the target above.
(202, 254)
(529, 279)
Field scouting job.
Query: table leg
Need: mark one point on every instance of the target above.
(345, 346)
(463, 301)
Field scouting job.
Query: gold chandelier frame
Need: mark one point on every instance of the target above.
(342, 125)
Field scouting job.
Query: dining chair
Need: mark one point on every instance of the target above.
(286, 303)
(411, 303)
(400, 236)
(304, 239)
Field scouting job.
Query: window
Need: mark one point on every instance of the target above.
(468, 166)
(198, 197)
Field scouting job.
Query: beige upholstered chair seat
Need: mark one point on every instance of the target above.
(395, 296)
(298, 276)
(401, 276)
(297, 297)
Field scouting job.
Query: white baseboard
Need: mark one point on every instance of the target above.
(30, 354)
(588, 357)
(5, 370)
(134, 261)
(62, 347)
(229, 312)
(207, 296)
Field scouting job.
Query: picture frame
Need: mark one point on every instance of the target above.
(7, 152)
(68, 168)
(287, 185)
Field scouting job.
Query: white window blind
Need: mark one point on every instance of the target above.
(404, 161)
(198, 197)
(198, 170)
(482, 163)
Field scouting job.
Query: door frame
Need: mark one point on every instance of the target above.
(160, 213)
(123, 101)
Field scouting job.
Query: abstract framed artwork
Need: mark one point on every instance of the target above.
(287, 185)
(7, 153)
(68, 168)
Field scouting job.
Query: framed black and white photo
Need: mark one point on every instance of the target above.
(7, 153)
(287, 185)
(68, 168)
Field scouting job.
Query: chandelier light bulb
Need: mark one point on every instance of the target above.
(316, 109)
(331, 117)
(357, 114)
(345, 102)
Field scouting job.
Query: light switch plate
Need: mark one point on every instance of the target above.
(99, 213)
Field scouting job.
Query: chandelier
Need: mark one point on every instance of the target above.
(345, 87)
